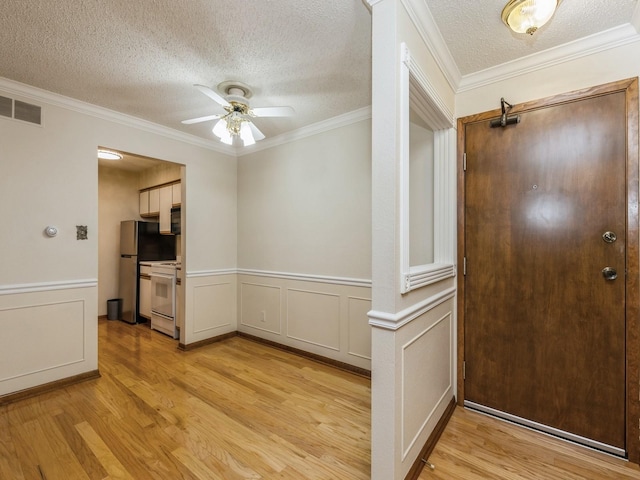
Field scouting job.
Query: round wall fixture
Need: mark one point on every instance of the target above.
(51, 231)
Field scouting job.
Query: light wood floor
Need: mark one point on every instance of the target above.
(475, 447)
(231, 410)
(242, 410)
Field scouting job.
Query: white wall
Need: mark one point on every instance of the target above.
(118, 200)
(305, 206)
(413, 334)
(304, 236)
(50, 177)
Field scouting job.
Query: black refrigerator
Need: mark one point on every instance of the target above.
(139, 241)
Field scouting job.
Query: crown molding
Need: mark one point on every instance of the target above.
(20, 89)
(313, 129)
(16, 88)
(428, 29)
(583, 47)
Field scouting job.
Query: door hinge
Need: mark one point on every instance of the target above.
(464, 370)
(464, 162)
(464, 266)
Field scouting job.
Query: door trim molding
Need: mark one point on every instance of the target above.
(632, 307)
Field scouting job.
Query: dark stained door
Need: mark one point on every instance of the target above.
(544, 330)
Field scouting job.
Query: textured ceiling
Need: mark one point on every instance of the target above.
(142, 57)
(477, 38)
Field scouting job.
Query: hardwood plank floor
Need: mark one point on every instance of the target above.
(475, 447)
(235, 409)
(238, 409)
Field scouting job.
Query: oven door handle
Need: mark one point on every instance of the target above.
(161, 275)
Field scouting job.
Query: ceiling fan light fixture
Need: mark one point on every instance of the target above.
(526, 16)
(246, 134)
(221, 131)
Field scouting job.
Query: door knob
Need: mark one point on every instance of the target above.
(609, 273)
(609, 237)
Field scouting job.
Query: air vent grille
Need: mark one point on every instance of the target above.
(27, 112)
(6, 107)
(19, 110)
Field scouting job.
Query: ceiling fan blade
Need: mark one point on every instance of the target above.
(202, 119)
(257, 134)
(212, 95)
(273, 111)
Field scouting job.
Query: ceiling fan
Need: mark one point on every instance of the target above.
(237, 122)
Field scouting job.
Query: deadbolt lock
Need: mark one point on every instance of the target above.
(609, 237)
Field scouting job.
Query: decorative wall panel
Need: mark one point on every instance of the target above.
(41, 337)
(359, 340)
(212, 308)
(260, 307)
(314, 317)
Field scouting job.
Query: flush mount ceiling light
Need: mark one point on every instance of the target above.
(526, 16)
(109, 155)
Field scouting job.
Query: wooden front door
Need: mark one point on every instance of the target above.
(544, 327)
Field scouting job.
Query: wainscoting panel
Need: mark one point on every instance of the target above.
(423, 389)
(49, 333)
(51, 336)
(314, 317)
(260, 307)
(359, 341)
(211, 308)
(323, 316)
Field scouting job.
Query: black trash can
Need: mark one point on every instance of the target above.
(114, 309)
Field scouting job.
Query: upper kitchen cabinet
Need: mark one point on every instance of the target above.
(154, 202)
(165, 208)
(144, 203)
(157, 202)
(176, 194)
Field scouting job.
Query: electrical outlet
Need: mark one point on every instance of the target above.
(263, 316)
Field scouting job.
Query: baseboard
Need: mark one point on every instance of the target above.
(206, 341)
(48, 387)
(431, 442)
(318, 358)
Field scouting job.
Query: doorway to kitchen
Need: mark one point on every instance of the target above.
(548, 312)
(141, 192)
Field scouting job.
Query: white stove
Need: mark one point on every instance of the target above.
(163, 297)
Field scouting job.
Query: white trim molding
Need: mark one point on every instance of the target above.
(394, 321)
(211, 273)
(606, 40)
(303, 277)
(428, 29)
(340, 121)
(418, 95)
(16, 88)
(47, 286)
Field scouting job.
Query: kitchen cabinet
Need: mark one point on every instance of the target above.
(144, 203)
(165, 208)
(157, 202)
(154, 201)
(176, 194)
(144, 295)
